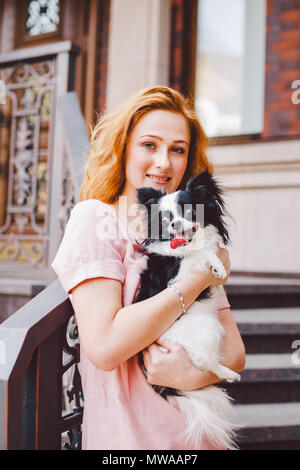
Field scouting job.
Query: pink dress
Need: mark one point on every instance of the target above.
(122, 411)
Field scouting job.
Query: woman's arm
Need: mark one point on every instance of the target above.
(176, 370)
(111, 334)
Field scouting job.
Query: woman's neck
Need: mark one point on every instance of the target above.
(127, 207)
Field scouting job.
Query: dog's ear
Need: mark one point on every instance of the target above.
(200, 183)
(209, 193)
(207, 189)
(148, 196)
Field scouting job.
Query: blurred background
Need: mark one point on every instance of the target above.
(64, 62)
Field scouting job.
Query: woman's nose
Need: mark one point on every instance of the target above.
(162, 159)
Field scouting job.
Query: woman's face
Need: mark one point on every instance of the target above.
(157, 152)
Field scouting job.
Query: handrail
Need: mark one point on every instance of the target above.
(28, 333)
(31, 53)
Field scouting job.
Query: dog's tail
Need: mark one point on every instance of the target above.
(208, 413)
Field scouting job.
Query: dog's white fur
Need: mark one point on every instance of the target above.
(199, 331)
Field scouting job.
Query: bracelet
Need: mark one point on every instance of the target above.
(170, 284)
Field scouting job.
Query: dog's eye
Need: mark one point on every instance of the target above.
(190, 213)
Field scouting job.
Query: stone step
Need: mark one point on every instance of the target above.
(271, 341)
(267, 378)
(250, 293)
(267, 426)
(248, 280)
(267, 316)
(268, 363)
(268, 330)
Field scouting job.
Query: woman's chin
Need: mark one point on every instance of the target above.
(164, 187)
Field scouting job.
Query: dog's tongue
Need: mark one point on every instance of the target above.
(176, 242)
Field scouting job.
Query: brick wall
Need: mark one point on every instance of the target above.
(177, 41)
(282, 117)
(102, 54)
(183, 46)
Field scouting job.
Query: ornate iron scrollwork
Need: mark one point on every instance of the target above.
(27, 128)
(27, 125)
(73, 399)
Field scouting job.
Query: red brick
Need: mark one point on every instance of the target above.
(292, 54)
(290, 75)
(290, 15)
(290, 36)
(285, 45)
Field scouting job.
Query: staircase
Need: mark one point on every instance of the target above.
(267, 400)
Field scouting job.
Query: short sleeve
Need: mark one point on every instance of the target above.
(223, 301)
(90, 246)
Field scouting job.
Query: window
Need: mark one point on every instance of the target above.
(230, 66)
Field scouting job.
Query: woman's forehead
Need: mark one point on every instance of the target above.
(161, 123)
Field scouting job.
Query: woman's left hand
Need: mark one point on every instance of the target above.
(173, 367)
(170, 367)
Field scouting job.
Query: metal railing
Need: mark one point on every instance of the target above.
(40, 387)
(35, 353)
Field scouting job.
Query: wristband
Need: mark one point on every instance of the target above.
(172, 286)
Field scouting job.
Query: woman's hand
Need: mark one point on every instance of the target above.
(170, 367)
(173, 367)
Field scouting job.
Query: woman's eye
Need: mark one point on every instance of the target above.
(148, 145)
(178, 150)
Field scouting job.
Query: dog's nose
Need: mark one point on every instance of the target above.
(176, 225)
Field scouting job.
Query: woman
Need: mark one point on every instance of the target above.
(155, 140)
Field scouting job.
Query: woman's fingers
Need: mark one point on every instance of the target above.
(165, 345)
(154, 355)
(145, 354)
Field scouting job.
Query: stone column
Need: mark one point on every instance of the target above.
(139, 47)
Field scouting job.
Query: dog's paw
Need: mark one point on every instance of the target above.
(234, 377)
(219, 271)
(225, 373)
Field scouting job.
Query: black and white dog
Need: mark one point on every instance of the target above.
(180, 241)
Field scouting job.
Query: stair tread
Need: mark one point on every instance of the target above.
(267, 415)
(289, 315)
(256, 280)
(270, 361)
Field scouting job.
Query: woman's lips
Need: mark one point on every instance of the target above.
(159, 179)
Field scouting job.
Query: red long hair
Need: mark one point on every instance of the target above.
(105, 165)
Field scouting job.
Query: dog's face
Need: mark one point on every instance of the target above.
(181, 214)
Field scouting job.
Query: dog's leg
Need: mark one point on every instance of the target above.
(216, 265)
(225, 373)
